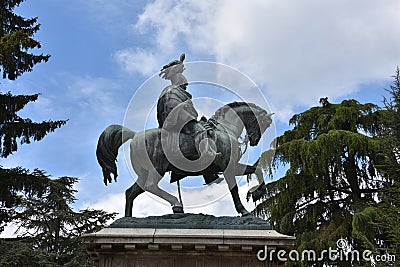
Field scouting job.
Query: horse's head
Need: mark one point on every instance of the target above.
(257, 120)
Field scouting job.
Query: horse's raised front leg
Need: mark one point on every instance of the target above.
(260, 190)
(130, 194)
(229, 175)
(151, 185)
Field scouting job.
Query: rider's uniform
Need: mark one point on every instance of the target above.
(175, 97)
(175, 109)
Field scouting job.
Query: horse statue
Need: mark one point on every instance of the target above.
(150, 160)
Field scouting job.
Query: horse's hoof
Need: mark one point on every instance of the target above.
(246, 214)
(259, 192)
(177, 209)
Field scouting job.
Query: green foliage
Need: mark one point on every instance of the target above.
(393, 105)
(20, 252)
(15, 128)
(50, 228)
(16, 39)
(388, 220)
(363, 227)
(333, 155)
(387, 223)
(15, 183)
(343, 177)
(377, 227)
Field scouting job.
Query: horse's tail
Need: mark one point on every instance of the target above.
(109, 142)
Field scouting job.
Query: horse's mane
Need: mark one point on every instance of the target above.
(219, 114)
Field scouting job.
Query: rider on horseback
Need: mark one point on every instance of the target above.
(176, 113)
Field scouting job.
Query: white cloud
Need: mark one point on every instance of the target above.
(298, 51)
(137, 60)
(173, 18)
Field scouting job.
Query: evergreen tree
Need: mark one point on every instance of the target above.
(14, 128)
(20, 252)
(389, 208)
(50, 229)
(14, 184)
(16, 40)
(378, 225)
(387, 222)
(332, 155)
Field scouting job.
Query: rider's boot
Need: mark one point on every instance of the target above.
(210, 151)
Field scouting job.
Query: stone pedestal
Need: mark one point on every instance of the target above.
(172, 247)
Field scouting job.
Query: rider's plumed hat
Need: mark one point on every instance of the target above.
(175, 62)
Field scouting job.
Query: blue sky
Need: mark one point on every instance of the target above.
(103, 51)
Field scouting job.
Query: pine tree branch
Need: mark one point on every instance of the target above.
(342, 190)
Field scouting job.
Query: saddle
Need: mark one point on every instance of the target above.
(188, 149)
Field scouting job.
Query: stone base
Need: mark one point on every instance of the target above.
(193, 221)
(158, 247)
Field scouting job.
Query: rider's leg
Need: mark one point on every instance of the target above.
(204, 147)
(202, 140)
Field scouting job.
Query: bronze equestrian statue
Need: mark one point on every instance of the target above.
(152, 152)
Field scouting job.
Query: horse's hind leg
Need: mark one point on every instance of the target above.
(151, 185)
(130, 194)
